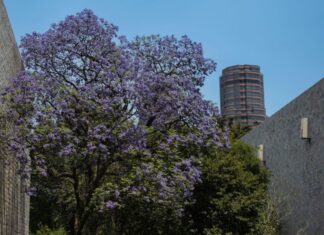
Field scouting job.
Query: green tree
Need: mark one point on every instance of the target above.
(107, 123)
(44, 230)
(119, 136)
(237, 131)
(233, 194)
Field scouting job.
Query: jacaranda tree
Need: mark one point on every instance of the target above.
(106, 124)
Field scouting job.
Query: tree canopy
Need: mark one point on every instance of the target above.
(100, 119)
(118, 139)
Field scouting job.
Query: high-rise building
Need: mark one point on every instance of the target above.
(242, 95)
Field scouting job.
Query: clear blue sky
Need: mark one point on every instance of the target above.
(284, 37)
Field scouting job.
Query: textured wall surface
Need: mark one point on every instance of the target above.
(297, 164)
(14, 203)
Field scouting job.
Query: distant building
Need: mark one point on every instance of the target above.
(242, 95)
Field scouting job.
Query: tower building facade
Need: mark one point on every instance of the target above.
(242, 95)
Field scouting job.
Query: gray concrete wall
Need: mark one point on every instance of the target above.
(297, 164)
(14, 203)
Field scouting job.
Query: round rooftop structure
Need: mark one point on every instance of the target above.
(242, 94)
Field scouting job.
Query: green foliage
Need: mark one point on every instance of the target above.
(232, 198)
(237, 131)
(44, 230)
(268, 221)
(143, 212)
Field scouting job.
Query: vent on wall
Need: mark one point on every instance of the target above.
(260, 152)
(304, 128)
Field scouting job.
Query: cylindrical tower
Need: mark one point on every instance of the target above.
(242, 94)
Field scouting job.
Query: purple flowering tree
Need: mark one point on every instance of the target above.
(99, 119)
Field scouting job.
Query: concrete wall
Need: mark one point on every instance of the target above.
(14, 203)
(297, 164)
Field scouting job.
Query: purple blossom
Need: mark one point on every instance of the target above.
(51, 136)
(128, 110)
(110, 204)
(43, 172)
